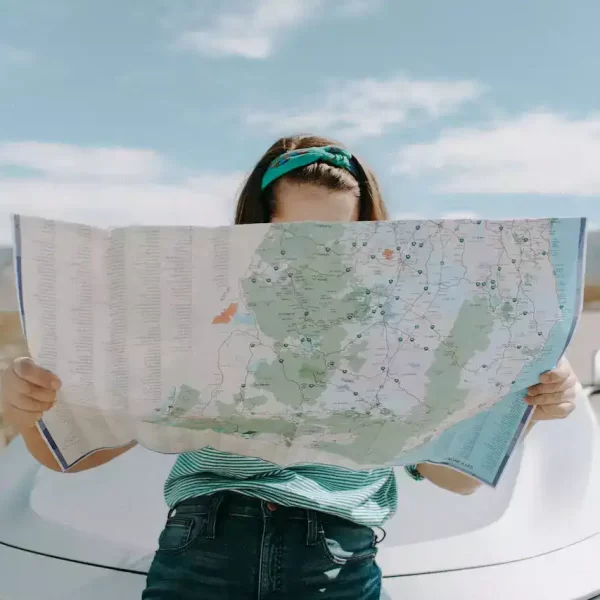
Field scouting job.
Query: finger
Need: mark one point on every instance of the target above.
(26, 369)
(22, 418)
(557, 411)
(29, 404)
(42, 395)
(559, 373)
(550, 388)
(551, 399)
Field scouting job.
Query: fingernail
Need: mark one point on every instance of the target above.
(545, 377)
(17, 367)
(56, 384)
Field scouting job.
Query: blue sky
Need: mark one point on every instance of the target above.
(151, 111)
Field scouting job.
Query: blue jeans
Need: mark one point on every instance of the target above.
(231, 546)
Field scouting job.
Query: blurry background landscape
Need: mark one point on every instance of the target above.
(586, 341)
(12, 343)
(592, 275)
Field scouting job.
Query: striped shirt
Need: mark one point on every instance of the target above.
(365, 497)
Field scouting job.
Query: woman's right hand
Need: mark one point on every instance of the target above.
(27, 392)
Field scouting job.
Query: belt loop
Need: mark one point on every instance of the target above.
(312, 528)
(211, 525)
(378, 540)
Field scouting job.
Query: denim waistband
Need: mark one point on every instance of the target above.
(239, 505)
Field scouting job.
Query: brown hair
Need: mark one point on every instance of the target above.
(256, 205)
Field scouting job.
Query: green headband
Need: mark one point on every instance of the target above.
(295, 159)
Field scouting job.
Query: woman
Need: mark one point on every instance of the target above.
(238, 528)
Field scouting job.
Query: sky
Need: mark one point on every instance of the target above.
(152, 111)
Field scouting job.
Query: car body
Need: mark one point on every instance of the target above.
(92, 535)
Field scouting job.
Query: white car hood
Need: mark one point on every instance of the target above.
(112, 515)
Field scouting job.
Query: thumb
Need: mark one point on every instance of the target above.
(23, 365)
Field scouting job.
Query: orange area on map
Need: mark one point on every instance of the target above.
(387, 253)
(226, 316)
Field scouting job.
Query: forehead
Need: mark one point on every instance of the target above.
(289, 192)
(302, 201)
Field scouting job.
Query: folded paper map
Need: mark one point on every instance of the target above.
(355, 344)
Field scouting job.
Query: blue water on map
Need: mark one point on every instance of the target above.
(244, 319)
(482, 445)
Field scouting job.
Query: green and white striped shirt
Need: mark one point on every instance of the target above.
(365, 497)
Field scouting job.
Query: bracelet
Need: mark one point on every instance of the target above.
(413, 472)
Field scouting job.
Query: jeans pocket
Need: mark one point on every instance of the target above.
(179, 533)
(346, 542)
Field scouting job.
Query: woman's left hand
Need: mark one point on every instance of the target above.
(554, 397)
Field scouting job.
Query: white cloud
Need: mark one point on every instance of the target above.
(539, 152)
(109, 195)
(368, 107)
(66, 161)
(208, 200)
(14, 55)
(251, 31)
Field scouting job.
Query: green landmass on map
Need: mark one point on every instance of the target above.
(470, 334)
(305, 319)
(311, 311)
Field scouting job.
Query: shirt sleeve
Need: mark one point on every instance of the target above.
(413, 472)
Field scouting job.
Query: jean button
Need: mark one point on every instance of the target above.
(272, 507)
